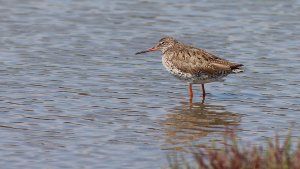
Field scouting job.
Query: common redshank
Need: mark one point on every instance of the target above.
(193, 65)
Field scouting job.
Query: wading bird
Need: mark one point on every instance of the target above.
(193, 65)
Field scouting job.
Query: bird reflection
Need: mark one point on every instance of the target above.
(192, 124)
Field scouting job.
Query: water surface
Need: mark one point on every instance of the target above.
(74, 95)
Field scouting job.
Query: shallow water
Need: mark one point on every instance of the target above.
(74, 95)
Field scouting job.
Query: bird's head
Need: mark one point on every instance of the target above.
(163, 45)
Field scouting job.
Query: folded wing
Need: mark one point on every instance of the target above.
(193, 60)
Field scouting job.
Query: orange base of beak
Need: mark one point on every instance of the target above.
(148, 50)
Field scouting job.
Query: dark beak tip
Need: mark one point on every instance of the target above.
(146, 51)
(137, 53)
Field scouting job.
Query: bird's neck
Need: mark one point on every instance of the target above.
(173, 48)
(164, 50)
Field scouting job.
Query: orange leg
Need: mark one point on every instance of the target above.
(191, 94)
(203, 93)
(191, 91)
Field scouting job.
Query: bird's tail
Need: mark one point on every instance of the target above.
(236, 68)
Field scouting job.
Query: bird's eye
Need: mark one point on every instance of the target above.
(161, 42)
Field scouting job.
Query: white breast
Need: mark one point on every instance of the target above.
(174, 71)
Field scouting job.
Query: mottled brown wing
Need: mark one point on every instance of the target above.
(194, 60)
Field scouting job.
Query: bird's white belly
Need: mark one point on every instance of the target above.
(199, 78)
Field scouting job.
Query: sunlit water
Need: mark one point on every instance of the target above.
(74, 95)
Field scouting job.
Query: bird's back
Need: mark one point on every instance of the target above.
(197, 64)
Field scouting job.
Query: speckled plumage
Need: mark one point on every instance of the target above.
(191, 64)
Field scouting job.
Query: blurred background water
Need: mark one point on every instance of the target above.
(74, 95)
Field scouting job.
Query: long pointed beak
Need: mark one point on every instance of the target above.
(148, 50)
